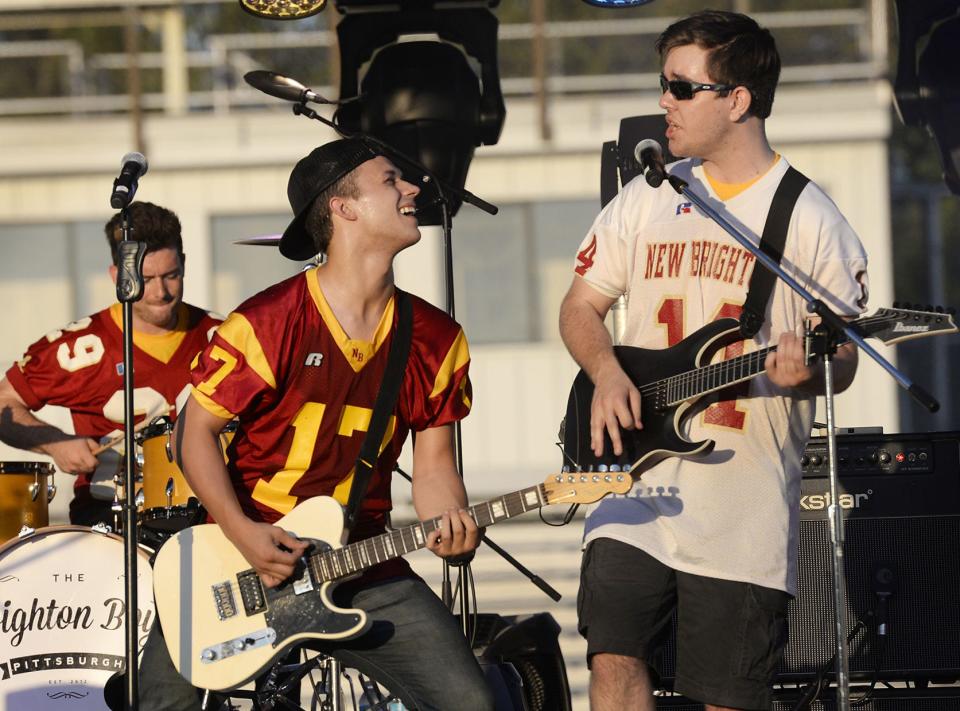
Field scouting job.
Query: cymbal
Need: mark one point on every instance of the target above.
(262, 240)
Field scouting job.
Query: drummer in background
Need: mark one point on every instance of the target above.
(80, 367)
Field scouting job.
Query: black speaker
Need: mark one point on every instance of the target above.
(531, 644)
(900, 497)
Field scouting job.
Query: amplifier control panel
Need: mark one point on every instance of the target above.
(869, 457)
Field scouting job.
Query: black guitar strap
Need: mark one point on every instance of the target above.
(771, 243)
(383, 408)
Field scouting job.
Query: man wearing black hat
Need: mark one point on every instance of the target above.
(300, 366)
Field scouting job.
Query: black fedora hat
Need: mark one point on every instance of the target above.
(311, 176)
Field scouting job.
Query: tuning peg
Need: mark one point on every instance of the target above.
(929, 307)
(939, 309)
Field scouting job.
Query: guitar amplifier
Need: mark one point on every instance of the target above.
(900, 497)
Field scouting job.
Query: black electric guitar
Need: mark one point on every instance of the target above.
(223, 627)
(672, 380)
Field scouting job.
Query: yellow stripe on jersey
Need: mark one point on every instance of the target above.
(210, 406)
(161, 346)
(457, 357)
(238, 332)
(356, 351)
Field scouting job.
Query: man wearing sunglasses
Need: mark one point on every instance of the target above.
(712, 538)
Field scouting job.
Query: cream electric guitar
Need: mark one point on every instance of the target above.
(223, 627)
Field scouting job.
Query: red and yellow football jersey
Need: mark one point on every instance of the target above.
(80, 367)
(304, 392)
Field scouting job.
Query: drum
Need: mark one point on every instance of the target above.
(62, 621)
(25, 490)
(165, 500)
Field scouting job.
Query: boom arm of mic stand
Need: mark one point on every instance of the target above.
(813, 305)
(443, 186)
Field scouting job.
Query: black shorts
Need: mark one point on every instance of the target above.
(730, 635)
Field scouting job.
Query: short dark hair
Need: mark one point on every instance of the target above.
(741, 52)
(155, 225)
(319, 223)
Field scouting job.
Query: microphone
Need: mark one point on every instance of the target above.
(283, 87)
(132, 166)
(649, 155)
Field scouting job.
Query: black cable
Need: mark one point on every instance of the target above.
(815, 687)
(880, 636)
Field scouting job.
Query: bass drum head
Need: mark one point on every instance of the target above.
(62, 617)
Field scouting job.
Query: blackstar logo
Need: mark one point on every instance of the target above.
(819, 502)
(901, 327)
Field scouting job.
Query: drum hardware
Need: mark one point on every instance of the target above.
(35, 487)
(280, 686)
(26, 531)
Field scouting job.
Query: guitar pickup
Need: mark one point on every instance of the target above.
(251, 592)
(238, 645)
(224, 600)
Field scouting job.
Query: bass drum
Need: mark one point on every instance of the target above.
(62, 617)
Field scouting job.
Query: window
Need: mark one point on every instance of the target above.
(512, 270)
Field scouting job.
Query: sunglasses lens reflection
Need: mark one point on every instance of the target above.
(681, 90)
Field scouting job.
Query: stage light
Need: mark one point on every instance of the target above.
(283, 9)
(423, 97)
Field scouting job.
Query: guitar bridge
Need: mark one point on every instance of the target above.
(224, 601)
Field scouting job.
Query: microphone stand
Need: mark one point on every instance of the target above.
(129, 289)
(824, 342)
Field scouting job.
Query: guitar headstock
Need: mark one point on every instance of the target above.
(585, 487)
(902, 323)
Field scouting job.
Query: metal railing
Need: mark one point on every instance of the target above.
(212, 74)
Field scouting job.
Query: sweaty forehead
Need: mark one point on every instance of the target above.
(161, 261)
(380, 166)
(688, 61)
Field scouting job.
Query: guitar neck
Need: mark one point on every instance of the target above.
(707, 379)
(355, 557)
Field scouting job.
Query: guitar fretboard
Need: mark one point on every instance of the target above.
(341, 562)
(709, 378)
(678, 388)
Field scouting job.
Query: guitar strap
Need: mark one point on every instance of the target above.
(771, 243)
(383, 408)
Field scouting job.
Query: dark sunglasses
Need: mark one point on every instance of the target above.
(683, 90)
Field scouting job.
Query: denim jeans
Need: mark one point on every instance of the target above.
(414, 648)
